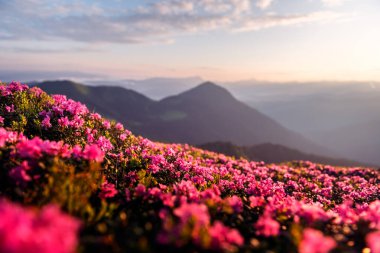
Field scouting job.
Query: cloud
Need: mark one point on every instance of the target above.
(27, 76)
(263, 4)
(157, 21)
(286, 20)
(331, 3)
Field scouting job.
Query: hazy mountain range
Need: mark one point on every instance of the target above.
(343, 116)
(204, 114)
(331, 115)
(155, 88)
(273, 153)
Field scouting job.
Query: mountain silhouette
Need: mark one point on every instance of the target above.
(206, 113)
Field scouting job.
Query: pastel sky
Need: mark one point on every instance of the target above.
(220, 40)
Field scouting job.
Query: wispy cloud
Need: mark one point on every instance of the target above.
(286, 20)
(263, 4)
(159, 21)
(330, 3)
(27, 76)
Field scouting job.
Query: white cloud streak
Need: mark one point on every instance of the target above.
(331, 3)
(280, 20)
(159, 21)
(263, 4)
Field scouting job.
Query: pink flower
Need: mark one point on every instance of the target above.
(235, 203)
(373, 214)
(311, 213)
(7, 136)
(266, 226)
(16, 86)
(373, 241)
(198, 212)
(64, 122)
(106, 124)
(140, 190)
(20, 173)
(123, 137)
(108, 190)
(224, 238)
(314, 241)
(25, 231)
(1, 120)
(104, 144)
(153, 169)
(30, 148)
(119, 126)
(93, 153)
(10, 108)
(194, 221)
(3, 137)
(46, 122)
(36, 91)
(256, 201)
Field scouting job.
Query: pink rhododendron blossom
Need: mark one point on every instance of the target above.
(108, 190)
(123, 137)
(256, 201)
(153, 168)
(30, 148)
(10, 108)
(1, 120)
(313, 241)
(3, 136)
(224, 238)
(16, 86)
(93, 153)
(64, 121)
(267, 226)
(140, 190)
(20, 173)
(236, 203)
(104, 144)
(311, 213)
(119, 126)
(373, 241)
(36, 91)
(372, 214)
(46, 122)
(106, 124)
(197, 212)
(25, 231)
(8, 136)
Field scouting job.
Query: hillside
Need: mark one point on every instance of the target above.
(112, 101)
(360, 141)
(272, 153)
(72, 181)
(206, 113)
(340, 115)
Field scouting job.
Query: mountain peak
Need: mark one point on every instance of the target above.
(208, 85)
(207, 90)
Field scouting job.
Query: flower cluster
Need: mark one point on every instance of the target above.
(136, 195)
(48, 231)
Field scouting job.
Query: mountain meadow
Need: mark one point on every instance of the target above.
(204, 114)
(73, 181)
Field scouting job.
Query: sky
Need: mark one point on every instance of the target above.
(218, 40)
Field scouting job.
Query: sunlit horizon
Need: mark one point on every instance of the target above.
(221, 41)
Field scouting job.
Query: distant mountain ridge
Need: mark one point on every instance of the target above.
(155, 88)
(274, 153)
(360, 141)
(206, 113)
